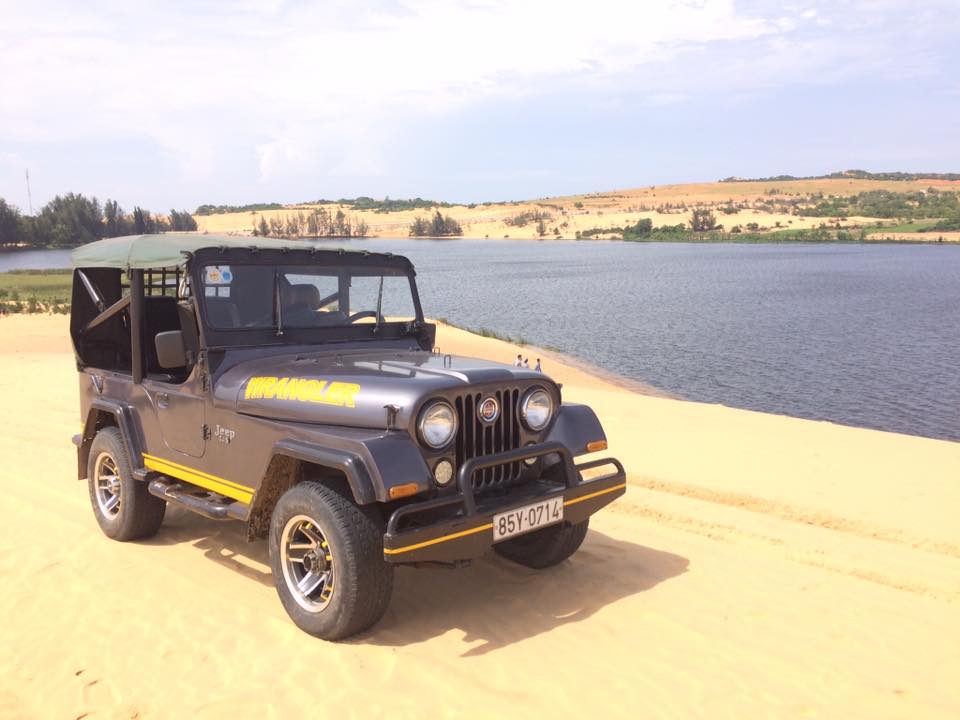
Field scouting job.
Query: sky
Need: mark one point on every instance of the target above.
(178, 103)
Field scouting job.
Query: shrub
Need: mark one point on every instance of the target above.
(703, 220)
(439, 226)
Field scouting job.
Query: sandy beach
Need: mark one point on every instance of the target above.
(759, 566)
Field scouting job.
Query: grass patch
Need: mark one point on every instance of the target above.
(34, 291)
(915, 226)
(488, 333)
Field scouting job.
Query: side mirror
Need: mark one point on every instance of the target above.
(170, 350)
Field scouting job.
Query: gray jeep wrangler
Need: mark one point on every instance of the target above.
(299, 391)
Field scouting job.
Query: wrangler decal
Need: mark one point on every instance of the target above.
(341, 394)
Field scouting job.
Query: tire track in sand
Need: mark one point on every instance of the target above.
(808, 544)
(784, 511)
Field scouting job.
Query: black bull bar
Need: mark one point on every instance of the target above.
(469, 532)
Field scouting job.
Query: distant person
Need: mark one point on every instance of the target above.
(518, 362)
(538, 368)
(526, 363)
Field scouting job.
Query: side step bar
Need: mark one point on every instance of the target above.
(215, 507)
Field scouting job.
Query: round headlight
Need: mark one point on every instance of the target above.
(438, 424)
(536, 409)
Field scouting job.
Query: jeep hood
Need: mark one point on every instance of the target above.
(354, 388)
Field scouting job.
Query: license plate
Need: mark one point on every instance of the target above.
(527, 518)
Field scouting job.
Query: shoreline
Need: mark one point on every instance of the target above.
(945, 238)
(558, 357)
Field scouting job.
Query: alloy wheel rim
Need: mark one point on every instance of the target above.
(307, 561)
(107, 480)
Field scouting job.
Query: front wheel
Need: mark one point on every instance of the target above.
(326, 554)
(124, 508)
(544, 548)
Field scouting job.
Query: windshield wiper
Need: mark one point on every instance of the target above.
(277, 306)
(376, 328)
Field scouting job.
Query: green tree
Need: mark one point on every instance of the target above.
(703, 220)
(182, 221)
(437, 226)
(419, 227)
(340, 226)
(142, 222)
(70, 220)
(115, 220)
(294, 226)
(11, 224)
(264, 228)
(643, 229)
(324, 222)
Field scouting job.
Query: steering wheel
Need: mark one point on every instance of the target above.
(362, 314)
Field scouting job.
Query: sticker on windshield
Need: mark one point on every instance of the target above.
(218, 275)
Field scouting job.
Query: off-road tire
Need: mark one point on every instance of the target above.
(544, 548)
(139, 514)
(362, 580)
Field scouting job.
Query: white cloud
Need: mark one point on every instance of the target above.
(302, 85)
(72, 73)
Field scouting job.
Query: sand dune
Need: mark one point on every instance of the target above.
(760, 566)
(662, 204)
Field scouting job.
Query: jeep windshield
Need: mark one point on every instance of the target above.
(282, 298)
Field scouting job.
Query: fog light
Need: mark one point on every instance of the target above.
(443, 473)
(533, 460)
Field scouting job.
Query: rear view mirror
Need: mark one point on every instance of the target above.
(170, 350)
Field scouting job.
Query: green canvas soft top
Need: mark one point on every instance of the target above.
(142, 252)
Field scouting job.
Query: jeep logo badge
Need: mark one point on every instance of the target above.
(488, 410)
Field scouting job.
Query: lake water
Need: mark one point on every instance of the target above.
(34, 260)
(865, 335)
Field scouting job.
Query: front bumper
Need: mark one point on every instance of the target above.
(469, 533)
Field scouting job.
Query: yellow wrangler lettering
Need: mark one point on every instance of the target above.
(341, 394)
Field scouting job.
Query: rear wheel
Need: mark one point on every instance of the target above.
(544, 548)
(124, 508)
(326, 554)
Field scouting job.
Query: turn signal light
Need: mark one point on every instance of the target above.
(400, 491)
(596, 445)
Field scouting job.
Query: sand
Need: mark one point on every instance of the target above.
(616, 208)
(760, 566)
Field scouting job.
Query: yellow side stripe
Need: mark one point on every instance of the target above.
(489, 526)
(204, 481)
(193, 471)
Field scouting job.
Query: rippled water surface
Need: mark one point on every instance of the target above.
(857, 334)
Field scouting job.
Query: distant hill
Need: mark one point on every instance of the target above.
(852, 174)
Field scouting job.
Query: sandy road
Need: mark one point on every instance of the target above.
(759, 567)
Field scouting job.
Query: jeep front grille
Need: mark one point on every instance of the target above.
(476, 438)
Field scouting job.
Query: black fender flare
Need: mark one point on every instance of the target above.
(372, 465)
(575, 426)
(125, 419)
(349, 463)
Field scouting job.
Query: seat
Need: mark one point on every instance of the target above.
(188, 324)
(301, 306)
(160, 314)
(222, 313)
